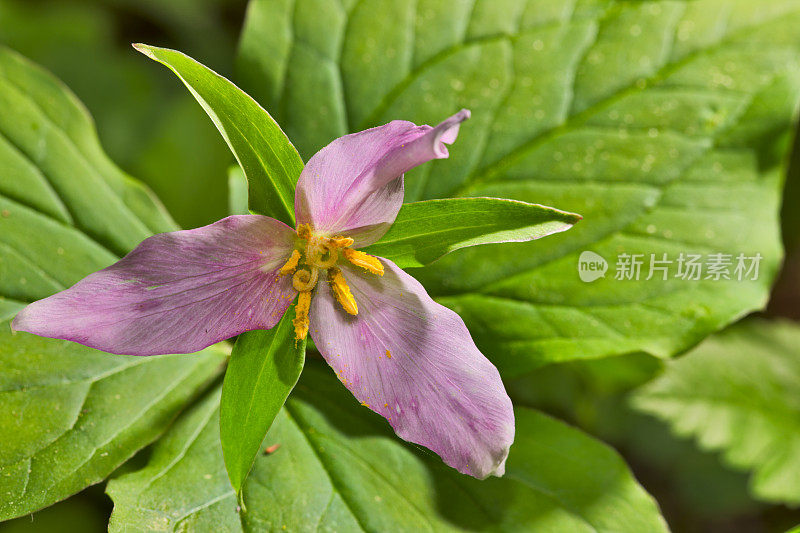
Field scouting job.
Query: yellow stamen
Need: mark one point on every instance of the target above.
(301, 315)
(291, 264)
(342, 291)
(305, 279)
(304, 231)
(341, 242)
(365, 261)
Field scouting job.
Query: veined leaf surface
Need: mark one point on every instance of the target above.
(664, 123)
(336, 466)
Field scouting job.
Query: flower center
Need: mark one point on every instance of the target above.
(313, 253)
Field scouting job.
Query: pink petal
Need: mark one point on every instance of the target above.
(176, 292)
(413, 362)
(354, 185)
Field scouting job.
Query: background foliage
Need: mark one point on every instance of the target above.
(666, 124)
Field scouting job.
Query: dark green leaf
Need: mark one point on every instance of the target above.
(339, 468)
(268, 159)
(184, 487)
(70, 415)
(425, 231)
(665, 124)
(737, 392)
(262, 371)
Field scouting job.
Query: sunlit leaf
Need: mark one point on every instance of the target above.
(737, 393)
(262, 371)
(425, 231)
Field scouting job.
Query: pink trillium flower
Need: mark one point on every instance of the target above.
(401, 354)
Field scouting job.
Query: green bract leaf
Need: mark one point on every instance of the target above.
(339, 468)
(268, 159)
(237, 192)
(425, 231)
(262, 371)
(737, 392)
(69, 415)
(664, 123)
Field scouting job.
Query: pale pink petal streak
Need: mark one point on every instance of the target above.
(354, 186)
(176, 292)
(413, 361)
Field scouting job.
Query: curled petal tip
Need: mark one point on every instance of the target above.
(447, 131)
(337, 188)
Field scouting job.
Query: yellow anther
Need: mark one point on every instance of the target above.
(305, 279)
(342, 291)
(365, 261)
(291, 264)
(304, 231)
(341, 242)
(301, 315)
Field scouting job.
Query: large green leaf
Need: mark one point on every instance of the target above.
(269, 161)
(339, 468)
(425, 231)
(664, 123)
(69, 415)
(262, 371)
(738, 393)
(53, 163)
(203, 500)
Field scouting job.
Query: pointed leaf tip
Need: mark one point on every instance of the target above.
(144, 49)
(425, 231)
(269, 160)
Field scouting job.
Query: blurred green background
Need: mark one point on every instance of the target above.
(155, 131)
(147, 123)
